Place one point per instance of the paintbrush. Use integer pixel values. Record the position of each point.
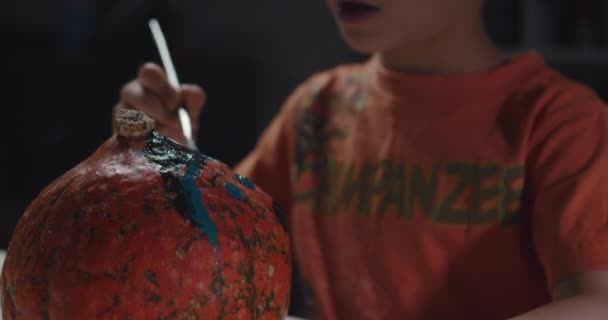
(163, 50)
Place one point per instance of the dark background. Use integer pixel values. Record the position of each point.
(62, 63)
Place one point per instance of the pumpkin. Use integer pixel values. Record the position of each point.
(147, 229)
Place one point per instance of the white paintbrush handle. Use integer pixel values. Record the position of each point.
(185, 121)
(163, 50)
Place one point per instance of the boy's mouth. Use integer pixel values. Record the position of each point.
(355, 10)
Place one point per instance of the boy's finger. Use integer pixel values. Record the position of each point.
(193, 97)
(135, 96)
(153, 79)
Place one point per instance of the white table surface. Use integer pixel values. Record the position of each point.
(3, 254)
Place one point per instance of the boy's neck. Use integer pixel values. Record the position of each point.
(469, 50)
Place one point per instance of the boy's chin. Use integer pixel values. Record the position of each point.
(364, 45)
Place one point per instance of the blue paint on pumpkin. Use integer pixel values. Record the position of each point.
(234, 191)
(245, 181)
(197, 211)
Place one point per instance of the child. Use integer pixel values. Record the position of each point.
(439, 180)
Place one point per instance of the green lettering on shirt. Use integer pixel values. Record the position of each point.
(361, 185)
(333, 175)
(482, 194)
(392, 188)
(508, 196)
(426, 190)
(387, 186)
(446, 213)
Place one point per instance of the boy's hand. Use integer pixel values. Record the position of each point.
(152, 93)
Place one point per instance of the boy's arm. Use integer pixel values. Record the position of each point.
(581, 297)
(568, 190)
(269, 163)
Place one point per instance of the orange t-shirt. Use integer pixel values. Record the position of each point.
(439, 197)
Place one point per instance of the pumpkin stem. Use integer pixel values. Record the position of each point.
(132, 123)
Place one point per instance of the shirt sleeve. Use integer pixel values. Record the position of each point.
(268, 165)
(567, 168)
